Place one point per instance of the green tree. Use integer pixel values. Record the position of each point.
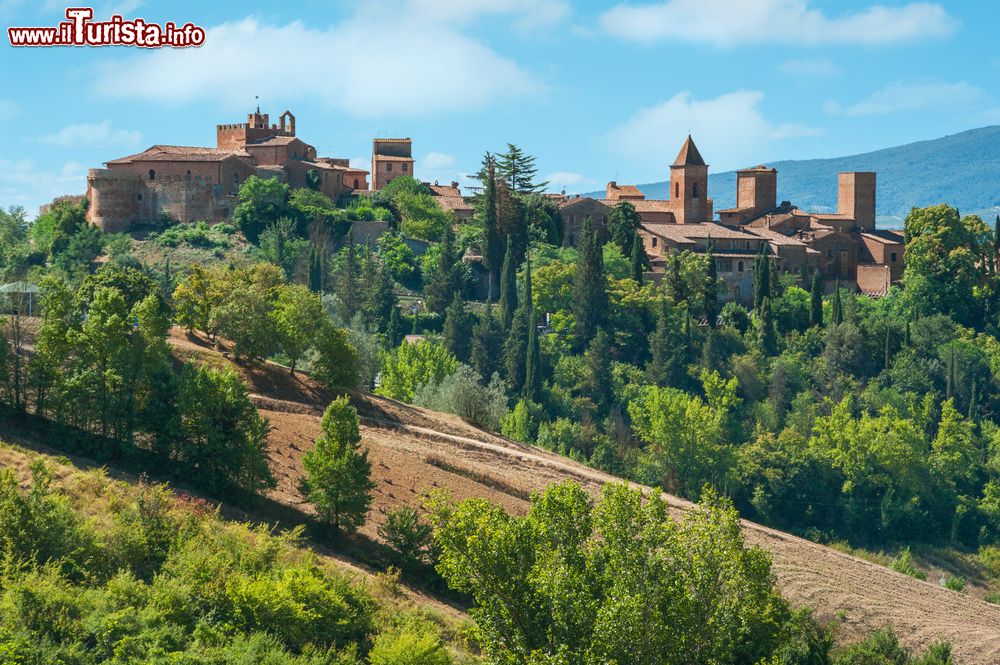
(710, 293)
(599, 382)
(346, 280)
(281, 245)
(639, 260)
(337, 477)
(223, 440)
(487, 345)
(457, 333)
(447, 278)
(245, 319)
(263, 201)
(590, 297)
(336, 362)
(410, 366)
(762, 276)
(623, 226)
(493, 246)
(816, 301)
(667, 348)
(837, 314)
(298, 316)
(768, 334)
(532, 355)
(508, 286)
(619, 582)
(518, 170)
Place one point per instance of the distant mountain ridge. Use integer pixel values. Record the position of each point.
(962, 170)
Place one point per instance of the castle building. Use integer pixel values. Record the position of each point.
(196, 183)
(391, 158)
(844, 246)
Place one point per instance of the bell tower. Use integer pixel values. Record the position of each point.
(689, 186)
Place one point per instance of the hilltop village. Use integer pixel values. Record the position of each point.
(199, 183)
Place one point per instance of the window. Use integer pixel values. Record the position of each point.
(187, 176)
(739, 267)
(829, 253)
(724, 264)
(138, 197)
(654, 241)
(694, 190)
(236, 183)
(356, 184)
(388, 167)
(152, 174)
(892, 257)
(405, 166)
(677, 191)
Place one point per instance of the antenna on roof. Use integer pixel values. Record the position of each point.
(257, 97)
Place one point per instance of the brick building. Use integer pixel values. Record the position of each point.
(391, 158)
(196, 183)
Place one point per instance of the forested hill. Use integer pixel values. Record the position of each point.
(962, 170)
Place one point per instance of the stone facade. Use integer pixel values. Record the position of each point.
(574, 211)
(196, 183)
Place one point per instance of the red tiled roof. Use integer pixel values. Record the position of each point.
(274, 140)
(692, 232)
(392, 158)
(885, 236)
(179, 153)
(689, 155)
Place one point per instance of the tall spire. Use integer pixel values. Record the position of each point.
(689, 155)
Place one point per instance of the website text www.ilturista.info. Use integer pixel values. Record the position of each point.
(81, 30)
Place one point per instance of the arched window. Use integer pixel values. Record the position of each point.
(694, 190)
(677, 191)
(152, 174)
(236, 183)
(739, 267)
(356, 183)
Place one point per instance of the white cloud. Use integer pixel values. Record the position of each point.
(8, 109)
(903, 96)
(730, 131)
(100, 134)
(401, 64)
(726, 23)
(22, 183)
(435, 161)
(810, 67)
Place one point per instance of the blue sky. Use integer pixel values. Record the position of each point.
(597, 91)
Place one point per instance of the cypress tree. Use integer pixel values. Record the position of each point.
(762, 277)
(493, 249)
(347, 281)
(838, 308)
(678, 290)
(457, 332)
(379, 298)
(638, 259)
(708, 352)
(516, 348)
(487, 345)
(950, 387)
(447, 278)
(816, 301)
(710, 295)
(590, 297)
(392, 334)
(996, 245)
(666, 348)
(315, 270)
(768, 337)
(972, 403)
(508, 286)
(888, 331)
(598, 359)
(533, 357)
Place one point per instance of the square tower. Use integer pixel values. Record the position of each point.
(856, 198)
(689, 200)
(757, 189)
(391, 158)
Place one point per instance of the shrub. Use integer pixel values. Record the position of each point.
(407, 535)
(464, 395)
(904, 564)
(410, 366)
(954, 583)
(415, 645)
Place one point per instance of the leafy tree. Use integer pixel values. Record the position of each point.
(398, 259)
(346, 280)
(409, 536)
(336, 362)
(639, 260)
(263, 201)
(223, 441)
(457, 334)
(281, 245)
(518, 170)
(598, 381)
(410, 366)
(133, 284)
(246, 320)
(467, 395)
(616, 582)
(590, 297)
(298, 316)
(379, 299)
(623, 226)
(338, 474)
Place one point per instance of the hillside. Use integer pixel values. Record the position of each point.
(961, 169)
(414, 450)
